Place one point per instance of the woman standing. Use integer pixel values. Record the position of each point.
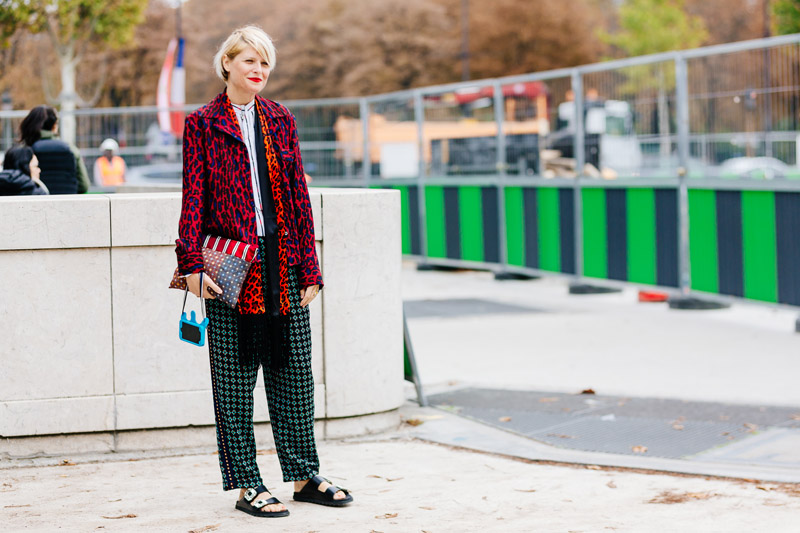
(243, 179)
(62, 165)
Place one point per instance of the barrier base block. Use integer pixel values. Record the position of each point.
(693, 303)
(585, 288)
(502, 276)
(797, 325)
(424, 267)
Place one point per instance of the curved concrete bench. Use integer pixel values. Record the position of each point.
(91, 348)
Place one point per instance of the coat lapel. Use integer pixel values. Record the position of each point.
(274, 117)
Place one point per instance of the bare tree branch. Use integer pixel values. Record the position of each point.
(98, 88)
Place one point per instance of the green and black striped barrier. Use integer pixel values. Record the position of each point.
(742, 243)
(540, 228)
(631, 234)
(746, 244)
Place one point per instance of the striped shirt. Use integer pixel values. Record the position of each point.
(246, 115)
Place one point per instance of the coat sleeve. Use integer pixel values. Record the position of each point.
(309, 272)
(189, 247)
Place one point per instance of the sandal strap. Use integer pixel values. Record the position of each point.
(317, 481)
(258, 504)
(251, 493)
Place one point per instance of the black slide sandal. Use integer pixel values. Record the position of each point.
(247, 505)
(310, 493)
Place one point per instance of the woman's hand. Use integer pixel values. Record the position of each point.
(210, 289)
(308, 294)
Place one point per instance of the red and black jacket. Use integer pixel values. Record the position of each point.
(218, 189)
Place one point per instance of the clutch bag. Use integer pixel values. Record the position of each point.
(227, 262)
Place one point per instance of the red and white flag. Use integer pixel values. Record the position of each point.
(172, 90)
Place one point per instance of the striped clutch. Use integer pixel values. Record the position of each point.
(225, 261)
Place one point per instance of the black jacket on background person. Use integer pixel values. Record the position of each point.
(58, 165)
(16, 183)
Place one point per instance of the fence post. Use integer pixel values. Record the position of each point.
(682, 109)
(419, 118)
(366, 160)
(580, 161)
(500, 117)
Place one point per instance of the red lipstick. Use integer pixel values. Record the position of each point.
(255, 80)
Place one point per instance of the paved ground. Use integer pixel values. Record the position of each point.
(551, 341)
(440, 472)
(400, 484)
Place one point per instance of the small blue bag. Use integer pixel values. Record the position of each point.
(190, 330)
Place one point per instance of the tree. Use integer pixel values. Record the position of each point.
(72, 26)
(786, 16)
(729, 20)
(358, 47)
(649, 27)
(520, 36)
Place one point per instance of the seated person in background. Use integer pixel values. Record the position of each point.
(62, 165)
(20, 174)
(109, 169)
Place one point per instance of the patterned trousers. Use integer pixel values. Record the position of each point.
(290, 394)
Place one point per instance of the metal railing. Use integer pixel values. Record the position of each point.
(720, 117)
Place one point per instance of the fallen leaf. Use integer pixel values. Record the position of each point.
(118, 517)
(751, 428)
(795, 417)
(558, 435)
(525, 490)
(15, 506)
(548, 400)
(669, 497)
(588, 391)
(373, 475)
(611, 485)
(205, 528)
(427, 508)
(504, 419)
(485, 498)
(593, 467)
(414, 422)
(761, 487)
(639, 449)
(387, 515)
(66, 462)
(678, 427)
(271, 451)
(393, 478)
(117, 500)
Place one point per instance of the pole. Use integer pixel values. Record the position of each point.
(178, 28)
(465, 74)
(501, 166)
(682, 104)
(580, 161)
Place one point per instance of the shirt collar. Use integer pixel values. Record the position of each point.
(247, 108)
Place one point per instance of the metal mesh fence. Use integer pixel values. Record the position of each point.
(744, 113)
(743, 103)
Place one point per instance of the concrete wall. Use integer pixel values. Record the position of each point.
(90, 329)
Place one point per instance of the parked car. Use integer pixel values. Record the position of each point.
(754, 168)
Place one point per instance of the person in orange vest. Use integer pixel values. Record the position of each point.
(109, 169)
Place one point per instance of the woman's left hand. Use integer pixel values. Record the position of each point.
(308, 294)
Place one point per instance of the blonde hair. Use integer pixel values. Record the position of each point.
(240, 39)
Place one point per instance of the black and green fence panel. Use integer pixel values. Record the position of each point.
(462, 223)
(745, 243)
(631, 234)
(540, 228)
(410, 221)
